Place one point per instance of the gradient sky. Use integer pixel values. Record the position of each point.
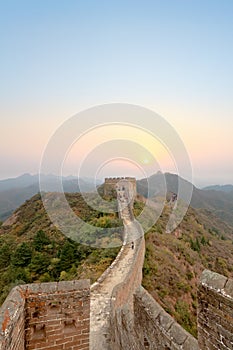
(172, 56)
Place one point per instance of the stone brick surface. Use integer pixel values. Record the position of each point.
(56, 316)
(155, 327)
(213, 280)
(215, 312)
(47, 316)
(12, 321)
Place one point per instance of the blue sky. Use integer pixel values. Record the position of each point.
(172, 56)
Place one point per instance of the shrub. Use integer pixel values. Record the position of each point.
(40, 240)
(22, 255)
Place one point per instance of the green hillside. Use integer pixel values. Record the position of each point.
(173, 262)
(33, 250)
(14, 192)
(218, 202)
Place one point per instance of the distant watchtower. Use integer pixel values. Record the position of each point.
(112, 183)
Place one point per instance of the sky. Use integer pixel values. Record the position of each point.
(174, 57)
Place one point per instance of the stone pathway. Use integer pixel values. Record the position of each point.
(101, 293)
(100, 301)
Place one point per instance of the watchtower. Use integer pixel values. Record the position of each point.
(112, 183)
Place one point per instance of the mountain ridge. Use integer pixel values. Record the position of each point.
(173, 262)
(15, 191)
(210, 198)
(223, 188)
(221, 203)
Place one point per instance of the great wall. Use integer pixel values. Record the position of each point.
(116, 312)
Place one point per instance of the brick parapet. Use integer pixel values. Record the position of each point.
(123, 292)
(215, 312)
(47, 316)
(111, 183)
(155, 328)
(12, 321)
(122, 315)
(114, 265)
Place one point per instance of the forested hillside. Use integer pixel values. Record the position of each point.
(174, 262)
(218, 202)
(33, 250)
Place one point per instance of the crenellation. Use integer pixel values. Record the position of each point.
(12, 321)
(56, 315)
(51, 316)
(110, 185)
(157, 326)
(215, 312)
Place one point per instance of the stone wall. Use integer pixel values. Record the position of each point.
(57, 315)
(154, 328)
(215, 312)
(122, 317)
(138, 322)
(123, 292)
(110, 184)
(12, 321)
(47, 316)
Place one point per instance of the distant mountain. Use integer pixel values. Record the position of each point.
(223, 188)
(172, 266)
(219, 202)
(11, 199)
(14, 192)
(22, 181)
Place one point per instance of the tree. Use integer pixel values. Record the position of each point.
(195, 245)
(22, 256)
(5, 255)
(63, 276)
(68, 255)
(21, 275)
(39, 263)
(40, 240)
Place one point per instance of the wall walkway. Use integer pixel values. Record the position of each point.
(46, 316)
(123, 315)
(106, 290)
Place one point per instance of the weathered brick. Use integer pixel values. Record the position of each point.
(213, 280)
(39, 315)
(215, 312)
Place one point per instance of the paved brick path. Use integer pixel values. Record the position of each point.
(101, 293)
(100, 301)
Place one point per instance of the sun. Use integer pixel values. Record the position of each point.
(146, 161)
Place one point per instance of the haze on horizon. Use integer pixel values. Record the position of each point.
(173, 57)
